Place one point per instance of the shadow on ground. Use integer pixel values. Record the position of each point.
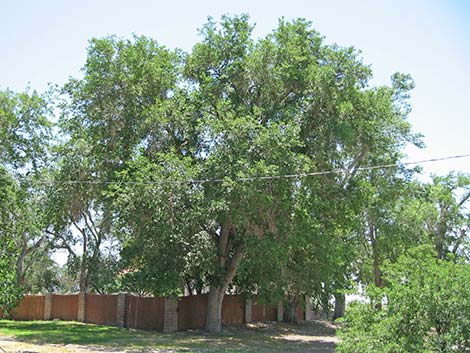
(313, 337)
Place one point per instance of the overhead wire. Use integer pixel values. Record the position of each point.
(254, 178)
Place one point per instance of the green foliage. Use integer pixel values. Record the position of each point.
(447, 202)
(424, 311)
(233, 108)
(9, 291)
(24, 140)
(24, 129)
(159, 225)
(164, 153)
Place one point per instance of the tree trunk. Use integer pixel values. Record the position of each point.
(214, 310)
(440, 240)
(83, 283)
(378, 281)
(340, 305)
(19, 267)
(290, 310)
(228, 262)
(20, 261)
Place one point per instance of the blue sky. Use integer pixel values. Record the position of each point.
(45, 41)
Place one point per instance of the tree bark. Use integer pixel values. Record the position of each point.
(228, 265)
(378, 281)
(290, 310)
(83, 282)
(214, 310)
(19, 266)
(340, 305)
(20, 261)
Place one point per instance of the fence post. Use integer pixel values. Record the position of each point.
(170, 317)
(308, 309)
(48, 298)
(81, 315)
(248, 310)
(280, 311)
(121, 310)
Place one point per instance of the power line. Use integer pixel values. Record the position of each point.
(254, 178)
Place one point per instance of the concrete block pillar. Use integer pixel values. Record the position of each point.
(81, 315)
(280, 311)
(48, 298)
(308, 309)
(170, 317)
(121, 310)
(248, 310)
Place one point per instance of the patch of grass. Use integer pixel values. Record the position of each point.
(234, 339)
(63, 332)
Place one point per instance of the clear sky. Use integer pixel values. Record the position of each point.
(45, 41)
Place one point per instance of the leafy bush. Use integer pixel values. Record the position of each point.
(426, 308)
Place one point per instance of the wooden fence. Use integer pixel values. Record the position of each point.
(147, 313)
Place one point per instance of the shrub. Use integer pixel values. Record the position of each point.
(426, 309)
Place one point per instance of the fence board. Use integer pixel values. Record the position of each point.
(30, 308)
(270, 312)
(257, 311)
(65, 307)
(300, 314)
(263, 312)
(101, 309)
(233, 310)
(192, 312)
(145, 313)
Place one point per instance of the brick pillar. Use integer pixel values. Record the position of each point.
(121, 310)
(81, 315)
(248, 310)
(280, 311)
(308, 309)
(48, 298)
(170, 318)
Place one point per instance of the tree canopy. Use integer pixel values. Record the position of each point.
(241, 166)
(188, 138)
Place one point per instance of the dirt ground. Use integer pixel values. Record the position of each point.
(316, 337)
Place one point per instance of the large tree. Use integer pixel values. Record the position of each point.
(182, 142)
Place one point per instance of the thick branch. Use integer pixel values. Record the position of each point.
(92, 226)
(464, 199)
(459, 240)
(64, 244)
(222, 243)
(353, 169)
(233, 265)
(35, 245)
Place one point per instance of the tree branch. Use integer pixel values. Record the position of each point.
(64, 244)
(233, 265)
(464, 199)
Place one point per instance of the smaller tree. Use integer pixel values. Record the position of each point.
(447, 210)
(426, 309)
